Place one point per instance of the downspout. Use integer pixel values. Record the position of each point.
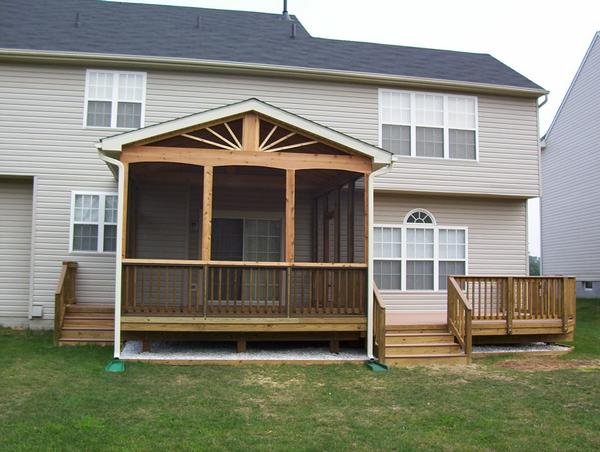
(119, 262)
(371, 198)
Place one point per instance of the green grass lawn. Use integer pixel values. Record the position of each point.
(61, 399)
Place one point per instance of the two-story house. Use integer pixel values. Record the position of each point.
(570, 164)
(225, 174)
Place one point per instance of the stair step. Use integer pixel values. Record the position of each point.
(83, 324)
(76, 341)
(88, 328)
(418, 329)
(89, 317)
(416, 338)
(87, 335)
(400, 350)
(415, 360)
(90, 308)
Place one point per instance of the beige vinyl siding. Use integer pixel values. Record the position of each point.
(508, 157)
(42, 133)
(16, 197)
(497, 237)
(570, 205)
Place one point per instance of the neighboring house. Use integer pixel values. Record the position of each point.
(262, 173)
(570, 204)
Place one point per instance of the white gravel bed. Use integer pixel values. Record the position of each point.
(520, 348)
(214, 351)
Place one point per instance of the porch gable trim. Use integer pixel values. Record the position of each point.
(116, 143)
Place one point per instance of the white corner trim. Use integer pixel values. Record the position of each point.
(119, 254)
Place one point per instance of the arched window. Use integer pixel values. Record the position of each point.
(419, 254)
(419, 216)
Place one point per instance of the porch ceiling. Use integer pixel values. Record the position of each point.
(221, 129)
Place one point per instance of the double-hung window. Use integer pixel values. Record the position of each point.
(94, 222)
(114, 99)
(418, 255)
(422, 124)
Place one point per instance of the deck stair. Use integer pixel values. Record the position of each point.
(88, 324)
(421, 344)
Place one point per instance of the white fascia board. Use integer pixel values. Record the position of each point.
(115, 143)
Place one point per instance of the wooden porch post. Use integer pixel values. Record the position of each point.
(207, 195)
(350, 221)
(290, 208)
(366, 216)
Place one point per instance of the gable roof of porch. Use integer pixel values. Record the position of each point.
(115, 144)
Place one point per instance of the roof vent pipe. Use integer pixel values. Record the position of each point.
(197, 21)
(286, 15)
(293, 35)
(77, 20)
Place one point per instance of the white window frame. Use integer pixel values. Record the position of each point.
(115, 99)
(585, 283)
(404, 226)
(101, 223)
(396, 259)
(413, 125)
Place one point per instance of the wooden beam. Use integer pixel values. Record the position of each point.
(265, 141)
(292, 146)
(366, 217)
(315, 230)
(250, 132)
(290, 213)
(207, 195)
(285, 137)
(350, 220)
(326, 228)
(338, 228)
(235, 138)
(202, 140)
(216, 157)
(218, 135)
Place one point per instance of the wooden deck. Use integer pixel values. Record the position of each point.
(480, 309)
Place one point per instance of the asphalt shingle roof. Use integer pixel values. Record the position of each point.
(96, 26)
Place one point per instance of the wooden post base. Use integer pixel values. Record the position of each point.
(334, 346)
(145, 345)
(240, 346)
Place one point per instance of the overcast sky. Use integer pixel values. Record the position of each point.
(543, 40)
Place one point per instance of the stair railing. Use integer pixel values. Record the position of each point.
(64, 295)
(379, 326)
(460, 314)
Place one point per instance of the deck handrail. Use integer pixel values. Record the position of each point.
(510, 299)
(460, 317)
(379, 323)
(64, 295)
(213, 263)
(246, 289)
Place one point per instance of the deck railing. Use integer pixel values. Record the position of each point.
(507, 298)
(243, 289)
(379, 324)
(64, 295)
(460, 317)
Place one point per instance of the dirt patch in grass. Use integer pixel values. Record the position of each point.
(548, 364)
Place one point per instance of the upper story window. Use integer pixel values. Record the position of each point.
(94, 222)
(114, 99)
(428, 125)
